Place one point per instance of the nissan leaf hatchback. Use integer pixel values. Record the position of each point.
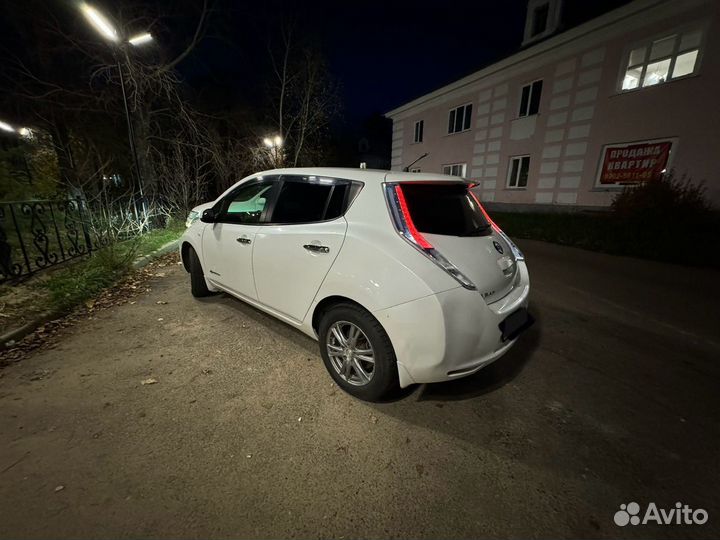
(401, 277)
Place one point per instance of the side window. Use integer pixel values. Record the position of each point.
(530, 99)
(308, 202)
(662, 60)
(518, 172)
(246, 204)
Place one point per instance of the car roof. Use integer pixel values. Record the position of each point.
(365, 175)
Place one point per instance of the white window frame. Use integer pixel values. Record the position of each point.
(463, 169)
(421, 125)
(676, 51)
(464, 109)
(510, 168)
(530, 84)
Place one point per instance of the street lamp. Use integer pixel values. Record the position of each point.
(25, 133)
(274, 144)
(106, 29)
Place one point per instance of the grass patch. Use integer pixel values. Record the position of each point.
(63, 287)
(71, 286)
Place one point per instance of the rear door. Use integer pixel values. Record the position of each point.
(228, 243)
(294, 252)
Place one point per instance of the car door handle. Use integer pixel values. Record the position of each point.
(244, 240)
(316, 248)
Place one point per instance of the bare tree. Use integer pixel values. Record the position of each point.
(305, 99)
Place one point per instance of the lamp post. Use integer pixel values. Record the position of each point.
(106, 29)
(24, 132)
(274, 144)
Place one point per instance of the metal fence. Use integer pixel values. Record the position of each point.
(35, 235)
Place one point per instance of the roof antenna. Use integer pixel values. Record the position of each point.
(407, 169)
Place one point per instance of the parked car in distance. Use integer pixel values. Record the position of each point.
(403, 278)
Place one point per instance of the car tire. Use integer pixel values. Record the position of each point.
(383, 382)
(198, 286)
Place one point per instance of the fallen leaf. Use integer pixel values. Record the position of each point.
(148, 381)
(162, 302)
(59, 488)
(160, 319)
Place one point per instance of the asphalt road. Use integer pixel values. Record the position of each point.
(611, 398)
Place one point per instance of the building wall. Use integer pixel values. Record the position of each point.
(581, 110)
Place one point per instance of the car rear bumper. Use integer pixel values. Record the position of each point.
(451, 334)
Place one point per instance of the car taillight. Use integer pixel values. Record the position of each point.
(515, 250)
(404, 225)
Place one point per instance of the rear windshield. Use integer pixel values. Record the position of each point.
(445, 208)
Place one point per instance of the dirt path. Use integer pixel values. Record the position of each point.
(243, 434)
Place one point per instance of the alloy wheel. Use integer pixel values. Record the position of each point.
(351, 353)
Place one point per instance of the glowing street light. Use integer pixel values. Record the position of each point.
(274, 144)
(140, 39)
(100, 22)
(25, 133)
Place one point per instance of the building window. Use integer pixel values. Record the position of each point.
(540, 19)
(419, 131)
(459, 118)
(455, 169)
(530, 99)
(518, 172)
(662, 60)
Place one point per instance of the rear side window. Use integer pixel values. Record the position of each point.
(307, 202)
(447, 209)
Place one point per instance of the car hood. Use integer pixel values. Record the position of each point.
(200, 208)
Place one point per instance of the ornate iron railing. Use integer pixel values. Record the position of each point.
(35, 235)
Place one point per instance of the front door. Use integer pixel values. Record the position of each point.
(228, 243)
(294, 252)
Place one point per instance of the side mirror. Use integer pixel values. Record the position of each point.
(208, 216)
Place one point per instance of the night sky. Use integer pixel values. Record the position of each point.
(383, 53)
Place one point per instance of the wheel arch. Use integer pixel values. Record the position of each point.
(185, 254)
(326, 303)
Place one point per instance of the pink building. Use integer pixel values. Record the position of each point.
(575, 116)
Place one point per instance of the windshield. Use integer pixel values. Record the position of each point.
(445, 208)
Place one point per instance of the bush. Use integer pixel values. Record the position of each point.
(668, 219)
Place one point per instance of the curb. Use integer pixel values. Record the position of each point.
(159, 252)
(19, 333)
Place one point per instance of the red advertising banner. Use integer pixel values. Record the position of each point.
(632, 163)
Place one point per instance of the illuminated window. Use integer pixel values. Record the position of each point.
(518, 172)
(455, 169)
(459, 119)
(662, 60)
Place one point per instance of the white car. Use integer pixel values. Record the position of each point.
(402, 277)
